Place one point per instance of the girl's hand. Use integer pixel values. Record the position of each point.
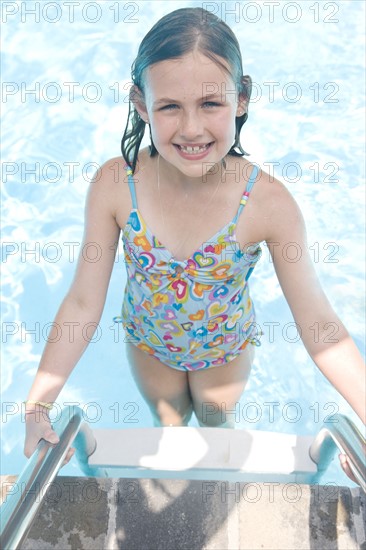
(38, 426)
(343, 459)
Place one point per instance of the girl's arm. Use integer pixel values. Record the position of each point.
(84, 301)
(340, 361)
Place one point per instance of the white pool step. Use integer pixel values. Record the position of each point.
(203, 453)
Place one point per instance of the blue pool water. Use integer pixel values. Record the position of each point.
(66, 78)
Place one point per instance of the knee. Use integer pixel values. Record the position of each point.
(211, 423)
(166, 414)
(211, 415)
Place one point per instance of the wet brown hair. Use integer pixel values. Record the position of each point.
(173, 36)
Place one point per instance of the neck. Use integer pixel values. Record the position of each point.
(181, 181)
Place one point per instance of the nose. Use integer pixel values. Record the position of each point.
(191, 126)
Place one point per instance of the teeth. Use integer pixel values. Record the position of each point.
(196, 149)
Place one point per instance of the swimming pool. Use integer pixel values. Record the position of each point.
(66, 79)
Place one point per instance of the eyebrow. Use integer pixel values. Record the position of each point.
(170, 100)
(213, 96)
(165, 100)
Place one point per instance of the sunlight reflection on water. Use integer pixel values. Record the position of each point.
(305, 122)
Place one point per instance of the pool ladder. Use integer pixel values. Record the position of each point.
(214, 453)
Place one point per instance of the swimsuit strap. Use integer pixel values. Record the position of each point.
(131, 185)
(243, 199)
(245, 195)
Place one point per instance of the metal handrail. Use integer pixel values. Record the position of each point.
(340, 432)
(20, 508)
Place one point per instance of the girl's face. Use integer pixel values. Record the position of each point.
(191, 104)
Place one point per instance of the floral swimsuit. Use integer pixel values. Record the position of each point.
(192, 314)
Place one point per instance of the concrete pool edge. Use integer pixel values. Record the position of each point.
(165, 513)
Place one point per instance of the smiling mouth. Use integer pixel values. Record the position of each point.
(193, 149)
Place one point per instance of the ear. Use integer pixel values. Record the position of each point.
(242, 107)
(138, 100)
(244, 95)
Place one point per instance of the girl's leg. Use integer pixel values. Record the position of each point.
(165, 389)
(217, 390)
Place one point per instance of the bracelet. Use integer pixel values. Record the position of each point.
(48, 406)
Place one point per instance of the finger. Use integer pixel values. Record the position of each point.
(51, 437)
(35, 436)
(345, 462)
(27, 451)
(346, 467)
(69, 455)
(30, 446)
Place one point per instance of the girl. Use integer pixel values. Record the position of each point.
(193, 212)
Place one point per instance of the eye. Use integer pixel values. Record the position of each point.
(170, 107)
(211, 104)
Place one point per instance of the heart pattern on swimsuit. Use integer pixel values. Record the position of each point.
(197, 316)
(199, 289)
(143, 242)
(181, 289)
(173, 349)
(216, 308)
(169, 314)
(154, 339)
(203, 261)
(190, 321)
(187, 326)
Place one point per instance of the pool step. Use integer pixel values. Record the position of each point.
(162, 514)
(201, 453)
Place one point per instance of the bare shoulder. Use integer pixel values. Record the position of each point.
(112, 174)
(280, 212)
(110, 184)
